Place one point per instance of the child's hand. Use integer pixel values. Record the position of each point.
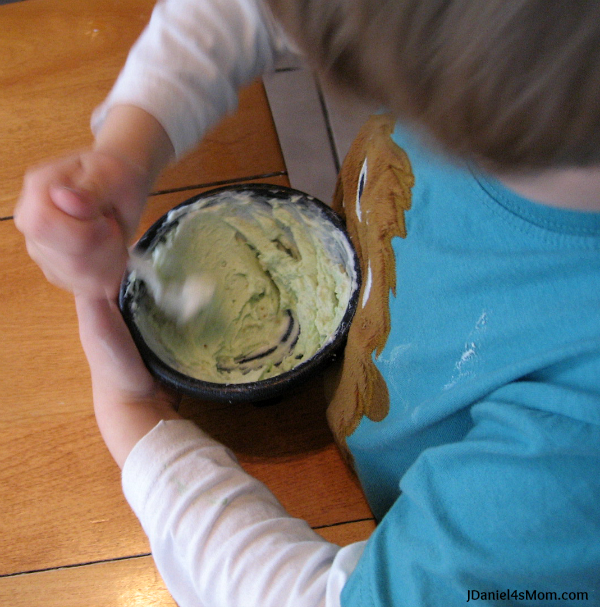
(128, 401)
(78, 215)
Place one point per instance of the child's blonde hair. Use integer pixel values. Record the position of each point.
(512, 84)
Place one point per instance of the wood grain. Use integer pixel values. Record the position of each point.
(59, 489)
(243, 146)
(59, 59)
(132, 582)
(348, 533)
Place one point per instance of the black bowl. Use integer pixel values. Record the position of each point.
(252, 391)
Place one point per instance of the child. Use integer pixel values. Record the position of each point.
(469, 399)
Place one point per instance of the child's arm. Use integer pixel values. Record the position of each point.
(79, 213)
(218, 536)
(128, 402)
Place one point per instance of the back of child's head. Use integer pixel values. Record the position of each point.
(512, 84)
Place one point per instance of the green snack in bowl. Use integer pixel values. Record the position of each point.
(283, 278)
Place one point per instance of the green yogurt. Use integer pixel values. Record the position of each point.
(283, 278)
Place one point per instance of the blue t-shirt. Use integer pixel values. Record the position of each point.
(485, 474)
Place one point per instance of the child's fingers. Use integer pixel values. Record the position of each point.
(70, 228)
(79, 274)
(75, 203)
(54, 214)
(54, 230)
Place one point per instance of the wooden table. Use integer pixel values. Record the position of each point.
(67, 536)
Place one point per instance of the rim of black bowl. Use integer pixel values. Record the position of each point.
(256, 391)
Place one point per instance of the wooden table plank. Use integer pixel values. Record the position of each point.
(127, 583)
(218, 159)
(59, 490)
(59, 60)
(348, 533)
(133, 582)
